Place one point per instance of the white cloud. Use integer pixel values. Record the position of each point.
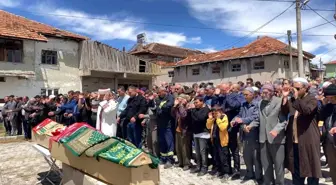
(249, 15)
(176, 39)
(208, 50)
(9, 3)
(117, 26)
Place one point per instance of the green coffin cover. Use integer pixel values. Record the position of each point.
(121, 153)
(82, 139)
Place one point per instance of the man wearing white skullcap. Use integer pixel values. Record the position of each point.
(107, 113)
(303, 134)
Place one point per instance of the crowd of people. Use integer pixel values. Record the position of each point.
(274, 126)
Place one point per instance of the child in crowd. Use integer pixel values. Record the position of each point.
(218, 124)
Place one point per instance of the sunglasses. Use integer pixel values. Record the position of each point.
(297, 88)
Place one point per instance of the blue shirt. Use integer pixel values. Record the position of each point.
(122, 104)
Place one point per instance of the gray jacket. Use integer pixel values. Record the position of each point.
(271, 118)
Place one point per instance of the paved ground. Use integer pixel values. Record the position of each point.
(20, 164)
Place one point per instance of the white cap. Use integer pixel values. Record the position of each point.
(255, 88)
(326, 84)
(52, 96)
(300, 80)
(104, 91)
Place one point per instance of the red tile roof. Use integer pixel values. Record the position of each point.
(23, 28)
(163, 49)
(332, 62)
(165, 64)
(263, 46)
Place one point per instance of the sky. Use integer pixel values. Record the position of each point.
(206, 25)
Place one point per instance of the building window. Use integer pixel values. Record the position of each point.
(297, 65)
(286, 64)
(177, 59)
(170, 73)
(216, 69)
(2, 79)
(259, 65)
(142, 66)
(48, 92)
(49, 57)
(195, 71)
(11, 50)
(235, 67)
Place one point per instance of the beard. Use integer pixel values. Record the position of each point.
(266, 97)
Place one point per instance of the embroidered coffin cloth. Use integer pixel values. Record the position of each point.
(49, 128)
(95, 150)
(121, 153)
(82, 139)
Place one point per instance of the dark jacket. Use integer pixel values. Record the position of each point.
(198, 119)
(231, 104)
(328, 116)
(211, 100)
(135, 105)
(163, 110)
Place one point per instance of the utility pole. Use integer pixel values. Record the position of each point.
(320, 73)
(299, 38)
(289, 34)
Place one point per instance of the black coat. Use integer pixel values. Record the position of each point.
(135, 105)
(198, 119)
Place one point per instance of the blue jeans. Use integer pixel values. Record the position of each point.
(134, 133)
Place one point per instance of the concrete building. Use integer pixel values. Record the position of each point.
(164, 55)
(264, 59)
(102, 66)
(36, 58)
(330, 70)
(39, 59)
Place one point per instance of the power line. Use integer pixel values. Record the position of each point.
(174, 25)
(146, 23)
(327, 52)
(320, 15)
(319, 10)
(268, 22)
(282, 1)
(318, 25)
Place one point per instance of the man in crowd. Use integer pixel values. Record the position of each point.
(272, 124)
(107, 114)
(249, 82)
(122, 104)
(249, 133)
(303, 136)
(69, 107)
(183, 134)
(164, 104)
(17, 116)
(199, 115)
(10, 118)
(231, 106)
(150, 121)
(133, 115)
(328, 118)
(210, 99)
(5, 116)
